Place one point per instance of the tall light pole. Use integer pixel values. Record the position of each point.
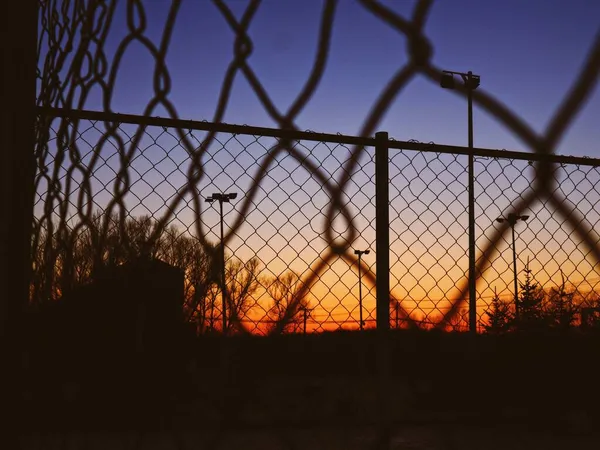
(471, 82)
(512, 219)
(222, 198)
(360, 308)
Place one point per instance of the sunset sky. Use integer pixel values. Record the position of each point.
(527, 54)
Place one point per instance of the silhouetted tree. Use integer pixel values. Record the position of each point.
(532, 315)
(290, 303)
(562, 310)
(242, 282)
(207, 311)
(41, 277)
(460, 321)
(500, 317)
(66, 258)
(60, 262)
(181, 250)
(589, 311)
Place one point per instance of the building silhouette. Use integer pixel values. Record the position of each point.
(136, 306)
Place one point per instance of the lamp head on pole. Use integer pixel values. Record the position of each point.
(512, 218)
(473, 83)
(221, 197)
(447, 81)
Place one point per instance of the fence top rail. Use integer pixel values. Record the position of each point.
(297, 135)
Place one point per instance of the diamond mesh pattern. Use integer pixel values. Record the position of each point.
(301, 205)
(279, 218)
(279, 226)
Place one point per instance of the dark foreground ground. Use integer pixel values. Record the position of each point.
(336, 390)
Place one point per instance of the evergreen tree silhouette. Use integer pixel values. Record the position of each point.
(531, 304)
(563, 310)
(500, 317)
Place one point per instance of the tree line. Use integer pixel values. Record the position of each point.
(65, 258)
(537, 309)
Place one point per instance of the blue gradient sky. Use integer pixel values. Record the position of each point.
(527, 53)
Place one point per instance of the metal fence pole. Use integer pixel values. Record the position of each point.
(382, 224)
(223, 281)
(360, 307)
(472, 277)
(515, 278)
(18, 53)
(382, 245)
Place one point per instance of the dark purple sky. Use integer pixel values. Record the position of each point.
(527, 54)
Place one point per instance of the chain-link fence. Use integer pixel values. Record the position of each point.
(430, 226)
(108, 193)
(99, 161)
(111, 189)
(114, 189)
(275, 236)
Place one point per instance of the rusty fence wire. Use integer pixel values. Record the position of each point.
(290, 264)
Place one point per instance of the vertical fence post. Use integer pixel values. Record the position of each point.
(18, 58)
(472, 250)
(223, 280)
(382, 245)
(382, 225)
